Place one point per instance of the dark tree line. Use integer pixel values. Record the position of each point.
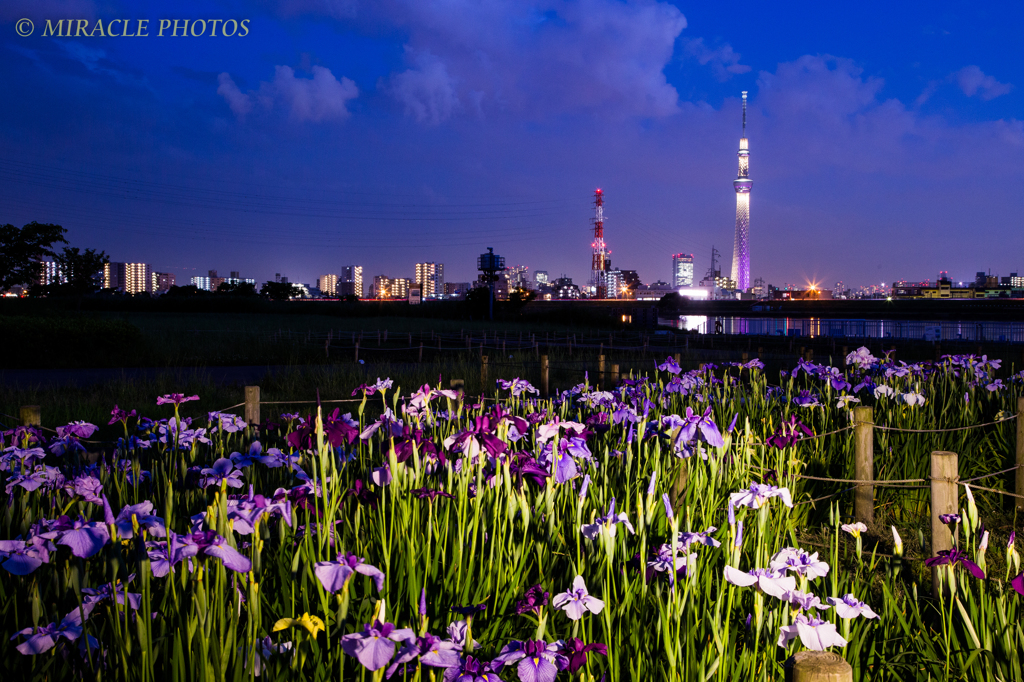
(21, 249)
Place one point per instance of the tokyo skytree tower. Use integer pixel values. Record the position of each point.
(742, 183)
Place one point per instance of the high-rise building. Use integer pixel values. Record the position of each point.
(682, 270)
(50, 273)
(385, 287)
(328, 285)
(162, 282)
(430, 277)
(742, 184)
(517, 276)
(131, 278)
(614, 284)
(541, 277)
(351, 281)
(201, 283)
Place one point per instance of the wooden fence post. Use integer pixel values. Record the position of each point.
(615, 376)
(863, 465)
(483, 372)
(1020, 452)
(421, 352)
(31, 415)
(252, 405)
(357, 353)
(944, 501)
(818, 666)
(544, 376)
(600, 370)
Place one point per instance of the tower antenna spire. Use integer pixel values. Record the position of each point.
(744, 113)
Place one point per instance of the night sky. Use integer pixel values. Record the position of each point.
(886, 138)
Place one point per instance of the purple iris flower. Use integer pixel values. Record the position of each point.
(208, 543)
(850, 607)
(95, 595)
(758, 495)
(245, 512)
(576, 651)
(815, 634)
(670, 366)
(413, 438)
(608, 522)
(479, 436)
(798, 561)
(577, 600)
(247, 459)
(949, 518)
(19, 557)
(533, 600)
(956, 557)
(430, 650)
(15, 459)
(175, 399)
(222, 471)
(518, 386)
(45, 638)
(144, 517)
(375, 645)
(227, 422)
(471, 670)
(538, 660)
(119, 415)
(84, 538)
(526, 466)
(363, 495)
(773, 583)
(371, 389)
(275, 459)
(1018, 584)
(40, 476)
(77, 430)
(87, 487)
(683, 430)
(334, 575)
(806, 399)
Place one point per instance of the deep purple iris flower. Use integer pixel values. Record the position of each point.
(411, 438)
(471, 670)
(1018, 584)
(144, 517)
(96, 595)
(576, 651)
(955, 557)
(40, 476)
(175, 399)
(532, 601)
(789, 432)
(334, 575)
(339, 429)
(470, 610)
(375, 645)
(363, 494)
(205, 543)
(806, 399)
(683, 430)
(670, 366)
(246, 511)
(119, 415)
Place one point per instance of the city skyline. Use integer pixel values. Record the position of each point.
(344, 135)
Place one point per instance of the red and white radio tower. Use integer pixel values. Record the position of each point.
(599, 262)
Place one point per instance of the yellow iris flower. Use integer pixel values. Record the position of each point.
(311, 624)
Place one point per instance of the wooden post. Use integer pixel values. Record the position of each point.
(863, 465)
(483, 372)
(421, 352)
(615, 376)
(944, 501)
(600, 370)
(679, 358)
(1020, 452)
(818, 666)
(31, 415)
(357, 353)
(544, 376)
(252, 405)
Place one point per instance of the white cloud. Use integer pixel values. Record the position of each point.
(427, 92)
(320, 98)
(724, 61)
(973, 81)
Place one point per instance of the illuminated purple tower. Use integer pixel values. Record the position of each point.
(742, 184)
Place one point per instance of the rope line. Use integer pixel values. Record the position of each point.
(993, 490)
(978, 478)
(958, 428)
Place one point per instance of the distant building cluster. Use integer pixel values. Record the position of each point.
(985, 285)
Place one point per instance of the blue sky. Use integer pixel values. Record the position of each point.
(884, 137)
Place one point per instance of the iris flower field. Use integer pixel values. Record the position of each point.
(681, 525)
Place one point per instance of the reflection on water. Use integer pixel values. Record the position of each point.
(925, 330)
